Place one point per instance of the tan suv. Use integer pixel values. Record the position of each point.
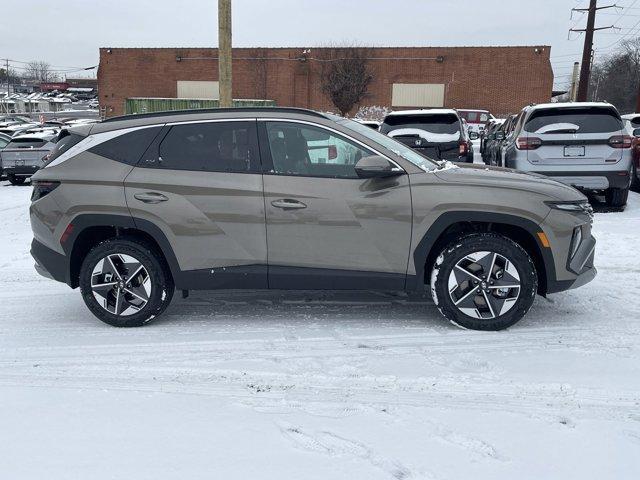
(133, 208)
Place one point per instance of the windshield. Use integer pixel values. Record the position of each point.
(474, 116)
(396, 147)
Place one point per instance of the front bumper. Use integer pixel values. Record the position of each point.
(595, 180)
(50, 264)
(581, 265)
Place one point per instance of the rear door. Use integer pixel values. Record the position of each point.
(571, 136)
(201, 184)
(327, 228)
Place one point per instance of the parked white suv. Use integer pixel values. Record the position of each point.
(582, 144)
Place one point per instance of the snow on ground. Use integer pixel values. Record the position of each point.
(266, 385)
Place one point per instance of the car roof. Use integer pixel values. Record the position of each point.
(34, 136)
(542, 106)
(472, 110)
(631, 116)
(422, 111)
(160, 118)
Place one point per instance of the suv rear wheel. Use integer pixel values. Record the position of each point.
(125, 283)
(617, 197)
(484, 281)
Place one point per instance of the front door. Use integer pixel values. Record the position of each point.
(201, 185)
(327, 228)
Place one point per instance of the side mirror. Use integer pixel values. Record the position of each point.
(636, 132)
(499, 135)
(375, 166)
(473, 136)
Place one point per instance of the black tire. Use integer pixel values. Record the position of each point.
(157, 272)
(16, 180)
(515, 303)
(617, 197)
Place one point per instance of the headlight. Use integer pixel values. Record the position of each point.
(578, 206)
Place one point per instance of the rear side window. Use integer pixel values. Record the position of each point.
(127, 148)
(211, 147)
(573, 120)
(433, 123)
(26, 143)
(64, 142)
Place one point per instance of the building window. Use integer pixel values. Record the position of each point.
(199, 90)
(417, 95)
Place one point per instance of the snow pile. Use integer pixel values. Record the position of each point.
(425, 135)
(307, 385)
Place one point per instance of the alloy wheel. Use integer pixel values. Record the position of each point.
(484, 285)
(121, 284)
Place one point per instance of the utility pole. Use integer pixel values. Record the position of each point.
(6, 72)
(638, 98)
(587, 51)
(224, 53)
(574, 82)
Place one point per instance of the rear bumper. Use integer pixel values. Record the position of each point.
(50, 264)
(22, 170)
(596, 180)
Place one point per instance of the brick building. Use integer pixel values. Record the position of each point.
(500, 79)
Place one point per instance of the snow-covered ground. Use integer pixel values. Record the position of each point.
(319, 385)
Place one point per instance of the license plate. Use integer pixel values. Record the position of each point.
(570, 151)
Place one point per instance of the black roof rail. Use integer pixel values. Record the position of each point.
(168, 113)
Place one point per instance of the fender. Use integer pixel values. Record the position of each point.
(447, 219)
(84, 221)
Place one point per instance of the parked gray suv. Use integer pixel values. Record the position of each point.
(582, 144)
(133, 208)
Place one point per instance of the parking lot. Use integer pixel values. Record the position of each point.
(320, 385)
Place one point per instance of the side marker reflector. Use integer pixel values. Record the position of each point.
(544, 240)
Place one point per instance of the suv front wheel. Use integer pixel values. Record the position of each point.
(484, 281)
(125, 283)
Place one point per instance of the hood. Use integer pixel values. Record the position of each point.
(497, 177)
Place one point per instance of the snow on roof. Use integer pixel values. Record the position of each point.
(631, 116)
(422, 111)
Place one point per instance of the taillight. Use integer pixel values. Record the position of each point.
(620, 141)
(528, 143)
(42, 188)
(463, 149)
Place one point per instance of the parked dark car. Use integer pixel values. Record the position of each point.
(632, 124)
(437, 133)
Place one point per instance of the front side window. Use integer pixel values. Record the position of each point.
(299, 149)
(211, 147)
(389, 143)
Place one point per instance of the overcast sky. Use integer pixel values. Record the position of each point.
(69, 33)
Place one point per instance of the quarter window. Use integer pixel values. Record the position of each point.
(211, 147)
(298, 149)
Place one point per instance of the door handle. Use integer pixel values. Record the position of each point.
(288, 204)
(151, 197)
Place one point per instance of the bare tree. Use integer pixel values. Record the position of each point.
(345, 76)
(41, 71)
(615, 78)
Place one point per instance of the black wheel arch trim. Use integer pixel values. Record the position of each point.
(84, 221)
(424, 249)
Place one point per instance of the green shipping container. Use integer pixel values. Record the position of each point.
(153, 105)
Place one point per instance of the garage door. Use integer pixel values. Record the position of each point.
(417, 95)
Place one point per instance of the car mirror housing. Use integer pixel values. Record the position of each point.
(636, 132)
(375, 166)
